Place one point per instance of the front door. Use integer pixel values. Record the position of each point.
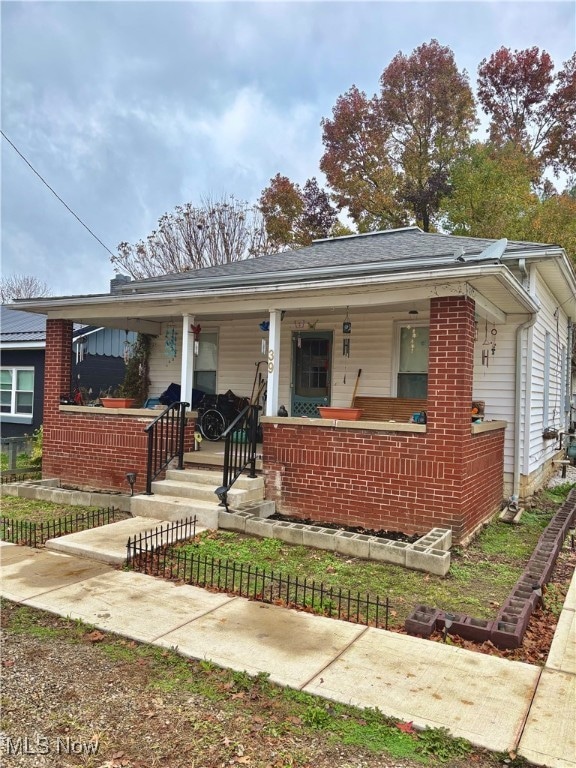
(311, 371)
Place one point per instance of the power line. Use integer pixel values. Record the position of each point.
(56, 194)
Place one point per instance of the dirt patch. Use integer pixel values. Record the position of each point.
(381, 534)
(116, 704)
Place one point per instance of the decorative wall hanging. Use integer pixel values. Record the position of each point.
(346, 325)
(127, 353)
(265, 328)
(170, 343)
(494, 333)
(346, 330)
(196, 331)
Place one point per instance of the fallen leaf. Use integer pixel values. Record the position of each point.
(95, 636)
(405, 727)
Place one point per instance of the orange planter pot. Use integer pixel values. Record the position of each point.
(346, 414)
(118, 402)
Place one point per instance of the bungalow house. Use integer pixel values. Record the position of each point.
(471, 335)
(97, 362)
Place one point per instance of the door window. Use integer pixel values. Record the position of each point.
(413, 361)
(206, 363)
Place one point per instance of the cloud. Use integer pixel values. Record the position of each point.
(129, 109)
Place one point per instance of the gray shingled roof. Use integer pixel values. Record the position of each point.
(373, 248)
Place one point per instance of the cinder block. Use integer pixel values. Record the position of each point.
(233, 521)
(437, 561)
(291, 533)
(417, 557)
(469, 628)
(312, 536)
(422, 621)
(507, 634)
(256, 526)
(388, 551)
(353, 544)
(443, 538)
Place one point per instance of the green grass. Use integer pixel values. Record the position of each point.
(22, 460)
(481, 575)
(281, 710)
(32, 511)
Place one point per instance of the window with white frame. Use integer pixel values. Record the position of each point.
(206, 363)
(17, 391)
(412, 377)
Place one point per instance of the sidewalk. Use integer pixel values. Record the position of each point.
(494, 703)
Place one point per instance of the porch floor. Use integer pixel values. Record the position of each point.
(212, 455)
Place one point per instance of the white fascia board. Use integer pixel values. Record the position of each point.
(23, 345)
(72, 308)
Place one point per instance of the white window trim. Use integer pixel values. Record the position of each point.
(216, 332)
(395, 367)
(12, 416)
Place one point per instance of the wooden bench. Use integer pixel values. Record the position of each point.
(388, 408)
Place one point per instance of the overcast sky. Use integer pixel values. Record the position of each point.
(128, 109)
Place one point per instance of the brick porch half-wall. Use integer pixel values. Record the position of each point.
(411, 482)
(85, 448)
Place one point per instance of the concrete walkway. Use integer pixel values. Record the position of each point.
(492, 702)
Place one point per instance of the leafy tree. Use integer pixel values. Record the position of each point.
(295, 216)
(529, 106)
(281, 205)
(492, 192)
(554, 221)
(494, 196)
(429, 109)
(357, 163)
(388, 158)
(22, 287)
(216, 232)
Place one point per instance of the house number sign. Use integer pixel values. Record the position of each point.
(270, 361)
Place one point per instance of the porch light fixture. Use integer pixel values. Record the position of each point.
(131, 478)
(537, 590)
(222, 493)
(413, 311)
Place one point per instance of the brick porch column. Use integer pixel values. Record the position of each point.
(450, 367)
(57, 366)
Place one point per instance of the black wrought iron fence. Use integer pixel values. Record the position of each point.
(36, 534)
(148, 542)
(20, 474)
(255, 583)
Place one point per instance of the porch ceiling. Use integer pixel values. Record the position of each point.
(496, 291)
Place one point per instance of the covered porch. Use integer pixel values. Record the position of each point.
(393, 474)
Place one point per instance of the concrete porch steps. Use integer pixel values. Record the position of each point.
(191, 492)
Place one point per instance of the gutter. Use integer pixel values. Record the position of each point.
(518, 441)
(435, 276)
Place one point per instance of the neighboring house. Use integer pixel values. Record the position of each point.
(444, 320)
(97, 362)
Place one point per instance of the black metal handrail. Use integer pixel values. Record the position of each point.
(240, 440)
(165, 441)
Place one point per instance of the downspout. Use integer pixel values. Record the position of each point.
(518, 442)
(568, 383)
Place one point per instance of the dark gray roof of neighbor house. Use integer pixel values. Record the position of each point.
(25, 327)
(21, 326)
(378, 248)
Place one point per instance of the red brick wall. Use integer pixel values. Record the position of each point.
(398, 481)
(89, 449)
(57, 366)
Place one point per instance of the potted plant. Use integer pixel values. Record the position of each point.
(117, 399)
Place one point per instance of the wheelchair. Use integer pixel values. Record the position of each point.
(217, 412)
